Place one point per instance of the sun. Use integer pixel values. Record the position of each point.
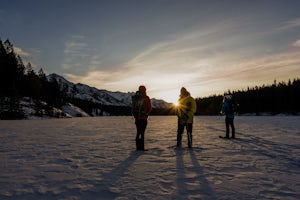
(175, 103)
(172, 97)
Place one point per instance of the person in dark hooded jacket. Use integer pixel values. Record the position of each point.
(228, 111)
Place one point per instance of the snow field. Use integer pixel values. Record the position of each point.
(95, 158)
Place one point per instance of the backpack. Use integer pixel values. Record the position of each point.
(232, 105)
(137, 104)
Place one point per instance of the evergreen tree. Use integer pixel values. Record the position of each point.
(11, 75)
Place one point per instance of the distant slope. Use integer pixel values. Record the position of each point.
(101, 96)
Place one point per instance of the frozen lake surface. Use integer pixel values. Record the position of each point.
(95, 158)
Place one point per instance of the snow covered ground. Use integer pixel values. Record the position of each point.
(95, 158)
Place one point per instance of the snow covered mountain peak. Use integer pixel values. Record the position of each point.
(101, 96)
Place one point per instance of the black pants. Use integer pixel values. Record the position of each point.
(189, 130)
(140, 132)
(229, 123)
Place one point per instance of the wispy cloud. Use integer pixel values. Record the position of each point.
(293, 23)
(296, 43)
(78, 56)
(75, 46)
(206, 61)
(21, 52)
(30, 55)
(168, 64)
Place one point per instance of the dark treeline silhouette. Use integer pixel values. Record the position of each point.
(18, 80)
(273, 99)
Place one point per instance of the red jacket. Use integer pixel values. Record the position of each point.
(145, 109)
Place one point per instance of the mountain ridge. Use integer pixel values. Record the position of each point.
(100, 96)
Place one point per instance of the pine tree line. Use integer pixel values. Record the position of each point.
(18, 80)
(273, 99)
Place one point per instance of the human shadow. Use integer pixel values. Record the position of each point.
(180, 174)
(204, 187)
(255, 145)
(194, 185)
(106, 188)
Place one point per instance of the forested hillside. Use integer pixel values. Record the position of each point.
(272, 99)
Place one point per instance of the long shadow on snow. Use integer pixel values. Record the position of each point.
(104, 189)
(270, 149)
(182, 181)
(204, 184)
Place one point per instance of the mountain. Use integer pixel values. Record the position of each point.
(100, 96)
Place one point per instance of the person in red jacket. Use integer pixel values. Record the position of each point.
(142, 108)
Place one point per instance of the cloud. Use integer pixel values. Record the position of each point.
(293, 23)
(94, 78)
(78, 56)
(28, 56)
(206, 61)
(21, 52)
(282, 66)
(171, 67)
(75, 47)
(297, 43)
(163, 67)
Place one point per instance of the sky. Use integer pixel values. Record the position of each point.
(207, 46)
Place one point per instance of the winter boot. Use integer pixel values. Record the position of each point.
(233, 135)
(140, 145)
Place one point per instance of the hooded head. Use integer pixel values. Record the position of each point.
(228, 97)
(184, 92)
(142, 89)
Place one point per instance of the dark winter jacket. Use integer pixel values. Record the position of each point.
(226, 109)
